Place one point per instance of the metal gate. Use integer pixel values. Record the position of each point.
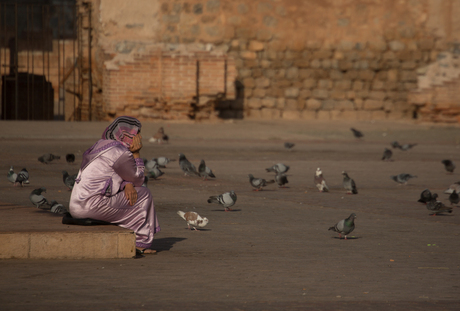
(43, 51)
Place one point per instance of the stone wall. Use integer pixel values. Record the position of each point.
(292, 59)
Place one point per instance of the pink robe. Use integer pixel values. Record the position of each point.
(98, 192)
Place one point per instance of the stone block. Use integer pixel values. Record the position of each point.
(270, 114)
(320, 93)
(248, 55)
(254, 103)
(255, 46)
(342, 85)
(246, 33)
(344, 105)
(378, 85)
(260, 93)
(349, 115)
(254, 114)
(292, 73)
(286, 63)
(316, 63)
(328, 104)
(264, 35)
(251, 63)
(305, 73)
(257, 73)
(379, 95)
(280, 102)
(322, 54)
(409, 65)
(289, 54)
(323, 115)
(396, 45)
(313, 45)
(308, 115)
(262, 82)
(359, 103)
(291, 92)
(336, 115)
(389, 55)
(364, 115)
(291, 104)
(313, 104)
(291, 115)
(302, 63)
(269, 102)
(269, 73)
(244, 72)
(351, 75)
(277, 45)
(351, 94)
(408, 76)
(326, 64)
(393, 75)
(282, 83)
(366, 75)
(379, 115)
(420, 99)
(404, 55)
(373, 104)
(345, 64)
(265, 64)
(388, 105)
(325, 84)
(304, 93)
(249, 83)
(357, 85)
(426, 44)
(337, 94)
(301, 104)
(309, 83)
(336, 75)
(378, 45)
(390, 85)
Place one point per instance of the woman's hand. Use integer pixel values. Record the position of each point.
(136, 145)
(131, 194)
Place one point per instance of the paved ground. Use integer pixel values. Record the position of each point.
(274, 251)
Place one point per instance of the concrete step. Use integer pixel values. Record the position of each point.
(30, 233)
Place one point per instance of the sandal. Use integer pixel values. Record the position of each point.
(145, 251)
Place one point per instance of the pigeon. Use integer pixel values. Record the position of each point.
(149, 164)
(57, 208)
(288, 145)
(455, 186)
(357, 133)
(345, 226)
(48, 157)
(205, 171)
(159, 136)
(278, 168)
(349, 184)
(69, 180)
(23, 177)
(70, 158)
(437, 207)
(155, 172)
(37, 198)
(448, 165)
(402, 178)
(187, 167)
(258, 183)
(146, 181)
(162, 161)
(425, 196)
(395, 145)
(12, 175)
(387, 153)
(226, 199)
(454, 198)
(320, 182)
(193, 219)
(406, 147)
(281, 180)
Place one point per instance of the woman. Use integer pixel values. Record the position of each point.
(108, 185)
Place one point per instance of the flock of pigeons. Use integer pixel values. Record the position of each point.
(228, 199)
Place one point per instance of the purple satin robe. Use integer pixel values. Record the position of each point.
(98, 192)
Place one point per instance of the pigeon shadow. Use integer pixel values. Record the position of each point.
(348, 238)
(442, 215)
(165, 244)
(221, 210)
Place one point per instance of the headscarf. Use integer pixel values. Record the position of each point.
(123, 129)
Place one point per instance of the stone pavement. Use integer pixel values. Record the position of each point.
(274, 251)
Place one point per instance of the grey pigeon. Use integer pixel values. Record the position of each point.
(278, 168)
(349, 184)
(57, 208)
(402, 178)
(227, 199)
(356, 133)
(23, 177)
(70, 158)
(395, 145)
(146, 181)
(48, 157)
(406, 147)
(281, 180)
(187, 167)
(437, 207)
(149, 164)
(205, 171)
(288, 145)
(37, 198)
(193, 219)
(454, 198)
(155, 172)
(448, 165)
(259, 183)
(345, 226)
(162, 161)
(455, 186)
(12, 175)
(320, 182)
(69, 180)
(387, 153)
(425, 196)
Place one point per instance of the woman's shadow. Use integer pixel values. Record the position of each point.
(165, 244)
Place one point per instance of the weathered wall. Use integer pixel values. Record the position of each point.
(354, 59)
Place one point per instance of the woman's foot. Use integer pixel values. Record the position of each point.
(145, 251)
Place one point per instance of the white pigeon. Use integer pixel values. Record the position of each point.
(162, 161)
(193, 219)
(150, 164)
(320, 182)
(455, 186)
(12, 175)
(227, 199)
